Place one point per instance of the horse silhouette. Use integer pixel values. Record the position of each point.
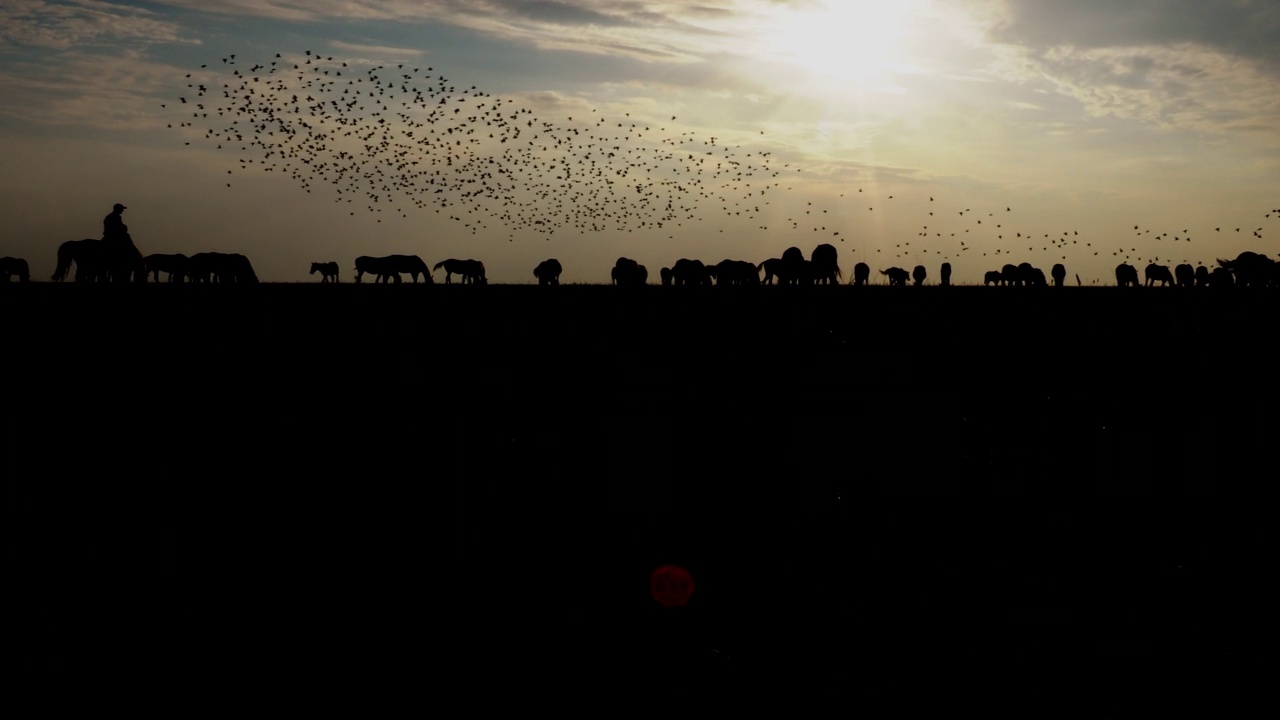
(175, 266)
(992, 277)
(736, 272)
(689, 272)
(1184, 275)
(629, 272)
(945, 275)
(1221, 277)
(329, 271)
(1158, 274)
(114, 260)
(1031, 276)
(824, 265)
(790, 269)
(11, 267)
(919, 274)
(470, 272)
(222, 268)
(1059, 273)
(1010, 274)
(897, 276)
(773, 268)
(1202, 276)
(1126, 275)
(861, 274)
(389, 267)
(548, 272)
(1251, 269)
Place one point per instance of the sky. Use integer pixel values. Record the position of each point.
(912, 132)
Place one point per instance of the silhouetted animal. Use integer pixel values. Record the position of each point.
(1031, 276)
(1059, 274)
(11, 267)
(329, 271)
(992, 276)
(389, 268)
(1010, 274)
(548, 272)
(945, 274)
(1126, 275)
(470, 271)
(689, 272)
(116, 260)
(736, 272)
(897, 276)
(629, 272)
(824, 265)
(1184, 275)
(772, 268)
(919, 274)
(1158, 274)
(1221, 277)
(175, 266)
(861, 274)
(223, 268)
(1251, 269)
(795, 268)
(665, 275)
(1202, 276)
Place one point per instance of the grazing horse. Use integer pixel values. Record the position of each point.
(471, 271)
(736, 272)
(861, 274)
(1158, 274)
(1126, 275)
(114, 260)
(222, 268)
(1251, 269)
(823, 262)
(176, 266)
(548, 272)
(628, 272)
(391, 266)
(992, 277)
(328, 271)
(12, 266)
(1184, 275)
(897, 276)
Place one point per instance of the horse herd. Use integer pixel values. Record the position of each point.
(103, 261)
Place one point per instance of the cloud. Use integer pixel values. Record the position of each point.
(1186, 64)
(647, 31)
(61, 25)
(376, 50)
(118, 93)
(1185, 86)
(1242, 28)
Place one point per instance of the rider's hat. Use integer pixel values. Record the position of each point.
(120, 207)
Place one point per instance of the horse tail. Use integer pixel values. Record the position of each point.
(439, 265)
(65, 256)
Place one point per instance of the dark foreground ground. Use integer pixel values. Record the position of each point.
(1009, 501)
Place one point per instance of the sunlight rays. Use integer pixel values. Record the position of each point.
(849, 41)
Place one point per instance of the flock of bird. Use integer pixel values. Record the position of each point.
(399, 138)
(396, 138)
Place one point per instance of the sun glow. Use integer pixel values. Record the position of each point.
(842, 40)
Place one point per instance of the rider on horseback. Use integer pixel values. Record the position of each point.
(113, 226)
(118, 244)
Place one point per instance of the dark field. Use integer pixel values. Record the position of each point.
(1003, 499)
